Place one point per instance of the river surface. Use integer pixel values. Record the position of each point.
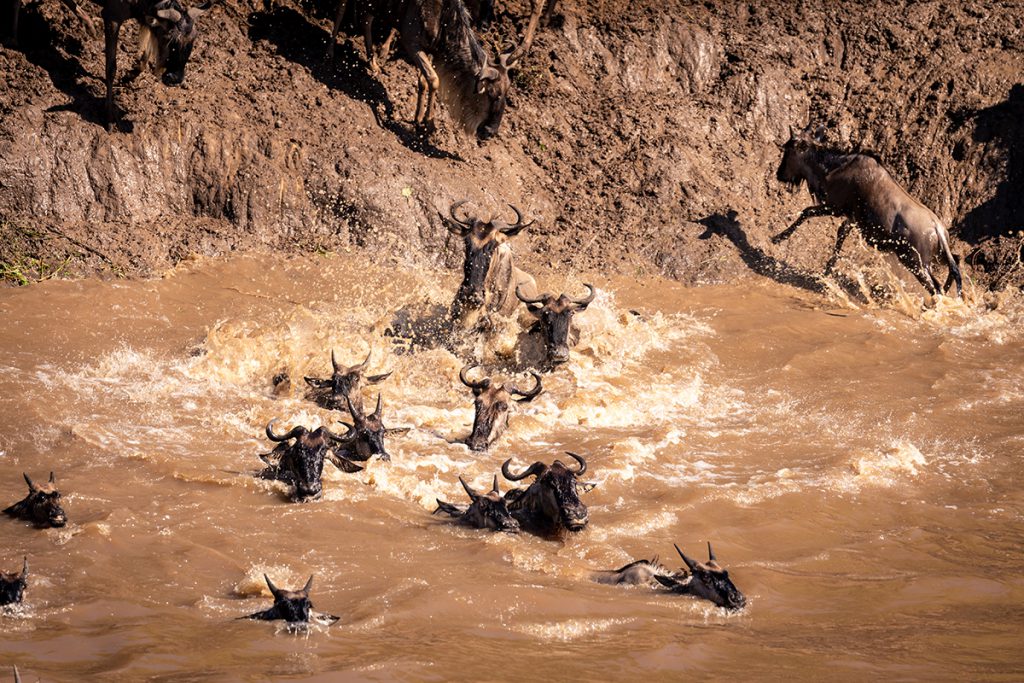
(857, 469)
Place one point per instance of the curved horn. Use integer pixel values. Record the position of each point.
(309, 584)
(472, 494)
(376, 411)
(451, 212)
(691, 565)
(356, 414)
(711, 553)
(296, 431)
(334, 436)
(463, 377)
(28, 480)
(580, 460)
(519, 226)
(24, 562)
(274, 590)
(366, 362)
(338, 367)
(526, 395)
(527, 300)
(536, 468)
(585, 301)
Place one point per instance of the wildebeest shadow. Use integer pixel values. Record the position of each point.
(302, 42)
(39, 43)
(1003, 125)
(764, 264)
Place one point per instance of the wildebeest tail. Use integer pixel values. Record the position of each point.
(954, 268)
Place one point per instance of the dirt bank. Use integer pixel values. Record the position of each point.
(645, 135)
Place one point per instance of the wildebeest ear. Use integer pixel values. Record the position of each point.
(343, 464)
(374, 379)
(588, 486)
(317, 383)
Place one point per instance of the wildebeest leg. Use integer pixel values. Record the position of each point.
(111, 29)
(951, 263)
(911, 258)
(342, 4)
(432, 83)
(809, 212)
(843, 232)
(385, 49)
(371, 55)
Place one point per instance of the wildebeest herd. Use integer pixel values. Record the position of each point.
(437, 36)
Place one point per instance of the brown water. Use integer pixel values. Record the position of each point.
(856, 468)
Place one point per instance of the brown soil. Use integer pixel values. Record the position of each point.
(645, 135)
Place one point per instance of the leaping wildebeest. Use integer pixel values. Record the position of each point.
(344, 383)
(298, 459)
(485, 511)
(857, 188)
(551, 502)
(12, 585)
(294, 607)
(490, 277)
(707, 581)
(41, 506)
(554, 321)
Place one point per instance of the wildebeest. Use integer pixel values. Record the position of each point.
(167, 33)
(551, 503)
(437, 37)
(344, 383)
(293, 607)
(12, 585)
(706, 580)
(554, 321)
(491, 406)
(365, 436)
(301, 462)
(489, 275)
(41, 506)
(485, 511)
(856, 187)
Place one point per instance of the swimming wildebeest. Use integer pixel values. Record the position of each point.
(293, 607)
(554, 321)
(12, 585)
(301, 462)
(489, 275)
(706, 580)
(856, 187)
(41, 506)
(344, 383)
(491, 406)
(551, 503)
(365, 437)
(437, 37)
(485, 511)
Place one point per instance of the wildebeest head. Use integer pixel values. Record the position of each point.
(793, 167)
(554, 493)
(482, 239)
(344, 383)
(491, 406)
(12, 585)
(486, 511)
(554, 320)
(41, 505)
(293, 607)
(493, 84)
(167, 36)
(707, 580)
(365, 437)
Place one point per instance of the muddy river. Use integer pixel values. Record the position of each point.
(856, 467)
